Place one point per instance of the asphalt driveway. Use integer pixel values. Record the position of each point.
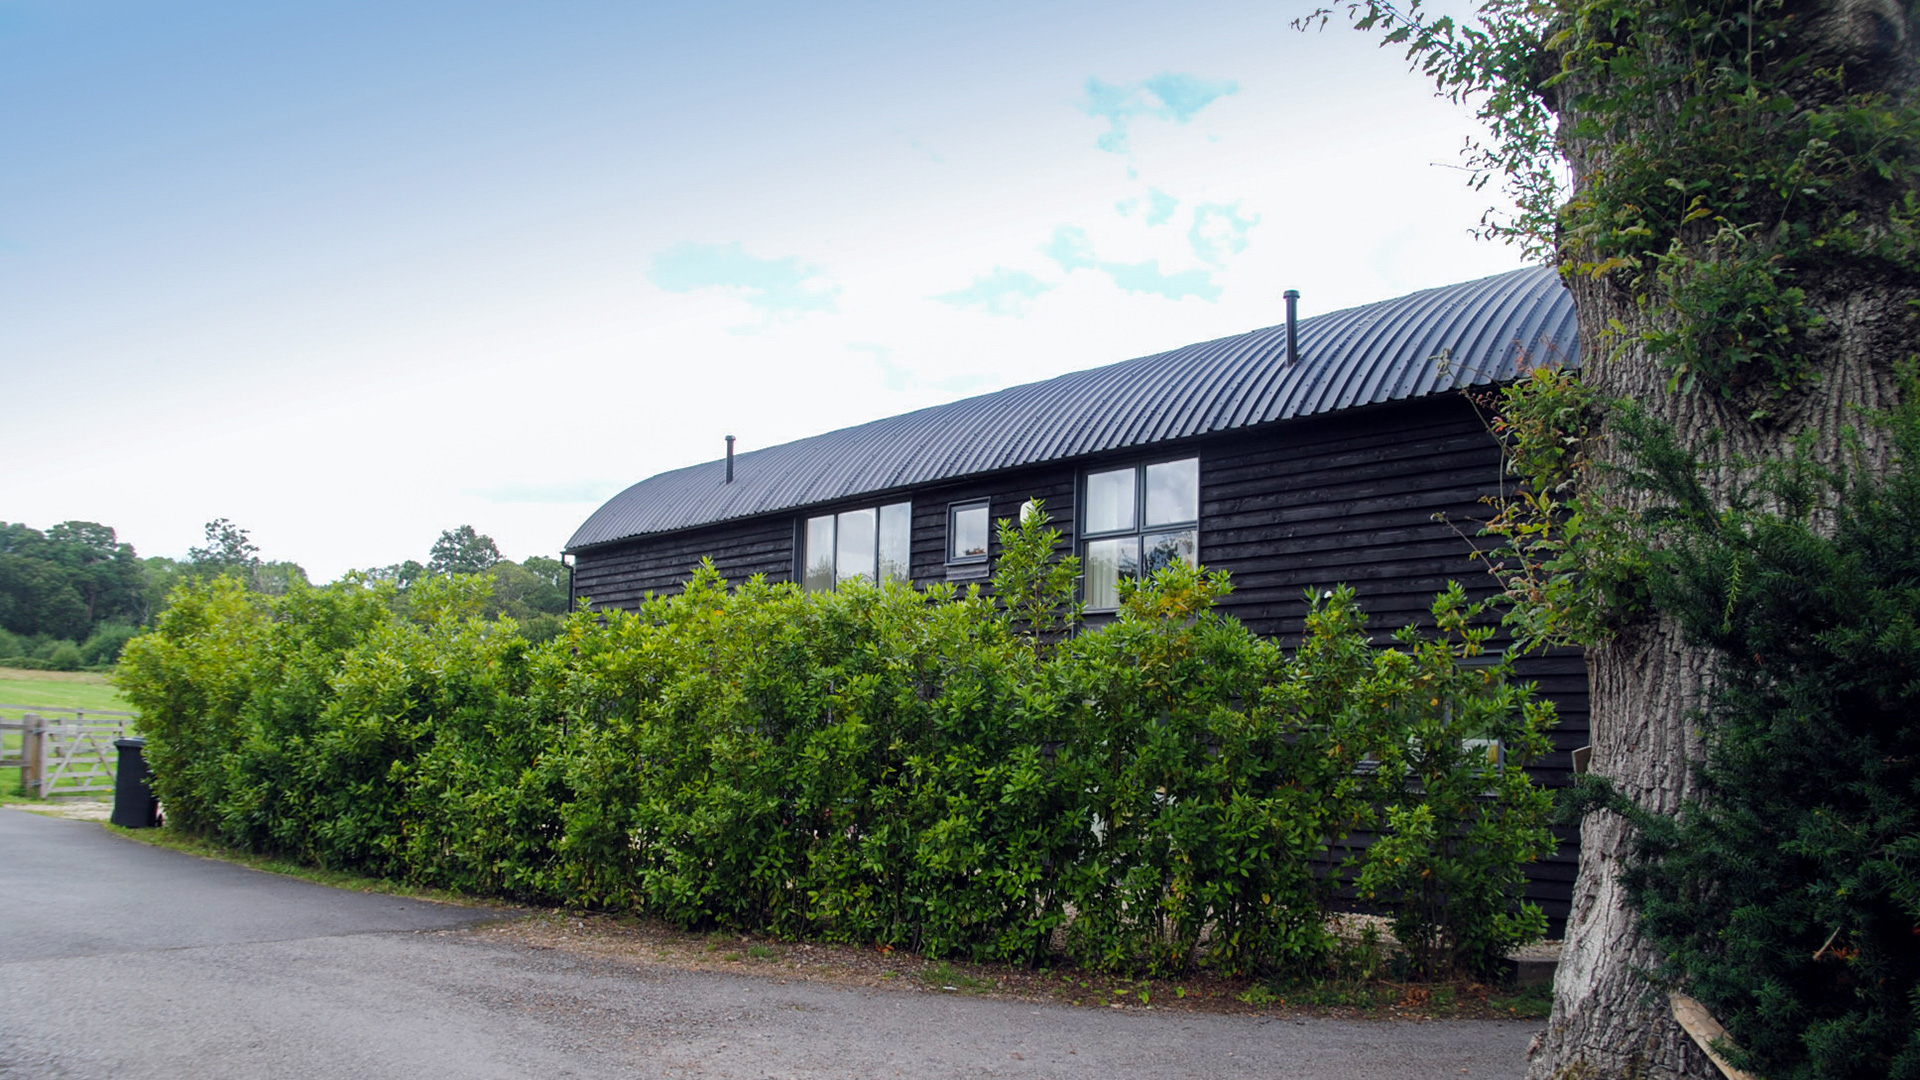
(122, 960)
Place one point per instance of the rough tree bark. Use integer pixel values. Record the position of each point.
(1609, 1019)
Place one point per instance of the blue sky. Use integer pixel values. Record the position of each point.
(351, 274)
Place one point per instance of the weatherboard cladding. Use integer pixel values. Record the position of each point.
(1471, 334)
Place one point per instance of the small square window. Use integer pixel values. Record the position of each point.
(1110, 497)
(1161, 550)
(1173, 493)
(968, 528)
(1107, 562)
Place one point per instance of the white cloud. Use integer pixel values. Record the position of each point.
(1219, 230)
(1148, 278)
(1170, 95)
(775, 289)
(998, 292)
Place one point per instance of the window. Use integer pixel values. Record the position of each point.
(967, 530)
(836, 548)
(1136, 520)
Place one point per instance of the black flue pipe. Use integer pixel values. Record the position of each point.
(729, 459)
(1292, 297)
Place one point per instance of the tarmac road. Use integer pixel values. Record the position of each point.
(122, 960)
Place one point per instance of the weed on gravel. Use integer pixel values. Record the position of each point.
(648, 942)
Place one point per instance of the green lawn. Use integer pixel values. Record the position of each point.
(59, 689)
(53, 690)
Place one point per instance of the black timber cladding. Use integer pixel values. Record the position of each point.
(1386, 500)
(1477, 333)
(623, 576)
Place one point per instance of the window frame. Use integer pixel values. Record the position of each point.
(803, 526)
(1139, 530)
(954, 510)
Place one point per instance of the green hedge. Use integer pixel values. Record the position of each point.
(926, 769)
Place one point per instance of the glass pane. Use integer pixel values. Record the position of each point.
(967, 533)
(896, 542)
(1107, 562)
(1163, 549)
(1110, 501)
(819, 555)
(853, 549)
(1173, 492)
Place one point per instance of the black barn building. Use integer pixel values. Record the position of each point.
(1355, 459)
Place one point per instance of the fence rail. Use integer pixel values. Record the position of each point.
(62, 751)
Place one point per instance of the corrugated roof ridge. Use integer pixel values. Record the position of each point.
(1354, 356)
(1382, 376)
(1478, 345)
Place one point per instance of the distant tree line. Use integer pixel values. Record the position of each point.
(533, 593)
(72, 596)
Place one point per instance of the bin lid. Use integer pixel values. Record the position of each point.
(134, 743)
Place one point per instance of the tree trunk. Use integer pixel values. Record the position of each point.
(1609, 1018)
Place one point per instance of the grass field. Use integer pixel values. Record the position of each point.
(50, 690)
(59, 689)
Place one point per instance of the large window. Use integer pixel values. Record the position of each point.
(865, 543)
(1136, 520)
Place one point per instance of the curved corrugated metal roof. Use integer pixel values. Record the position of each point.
(1430, 342)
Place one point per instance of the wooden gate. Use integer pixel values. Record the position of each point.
(62, 751)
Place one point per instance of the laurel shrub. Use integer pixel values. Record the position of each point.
(929, 769)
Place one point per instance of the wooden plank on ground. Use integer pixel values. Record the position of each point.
(1705, 1031)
